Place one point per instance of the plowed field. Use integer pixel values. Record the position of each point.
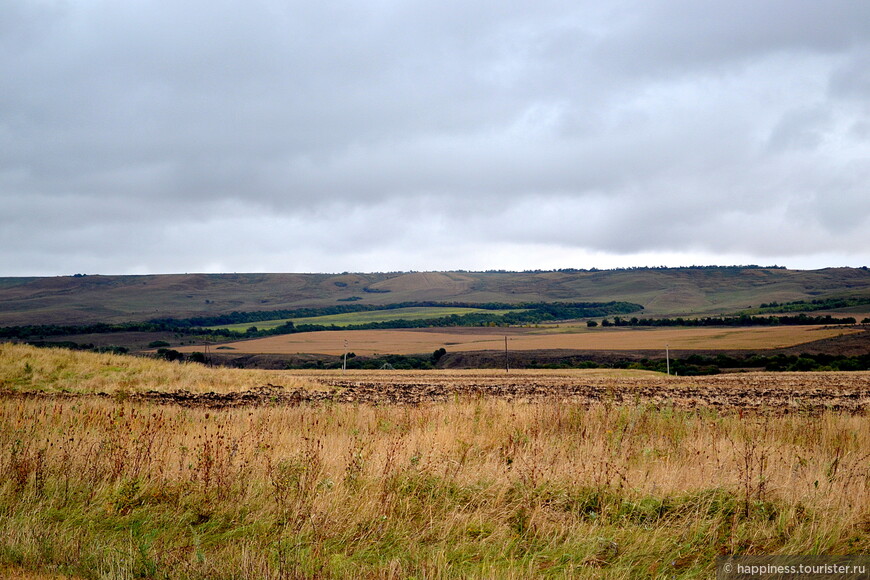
(775, 393)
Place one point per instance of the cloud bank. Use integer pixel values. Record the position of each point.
(156, 136)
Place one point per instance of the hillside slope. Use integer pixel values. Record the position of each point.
(674, 291)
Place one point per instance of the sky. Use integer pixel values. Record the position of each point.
(157, 136)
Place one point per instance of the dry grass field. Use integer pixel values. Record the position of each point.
(372, 342)
(27, 369)
(466, 486)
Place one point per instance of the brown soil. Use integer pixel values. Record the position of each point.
(752, 392)
(854, 344)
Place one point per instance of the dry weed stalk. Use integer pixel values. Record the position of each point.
(480, 486)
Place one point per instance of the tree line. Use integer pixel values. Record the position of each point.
(812, 305)
(697, 364)
(742, 320)
(691, 365)
(631, 269)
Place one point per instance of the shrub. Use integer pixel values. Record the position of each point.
(169, 354)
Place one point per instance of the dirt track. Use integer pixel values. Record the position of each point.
(767, 392)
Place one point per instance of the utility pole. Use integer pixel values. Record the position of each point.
(344, 362)
(668, 358)
(507, 367)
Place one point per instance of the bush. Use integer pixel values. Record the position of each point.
(169, 354)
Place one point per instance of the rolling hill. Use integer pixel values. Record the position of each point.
(665, 291)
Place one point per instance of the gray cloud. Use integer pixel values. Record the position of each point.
(160, 136)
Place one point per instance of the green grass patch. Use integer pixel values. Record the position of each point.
(366, 317)
(427, 523)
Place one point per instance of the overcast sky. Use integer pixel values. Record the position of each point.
(288, 136)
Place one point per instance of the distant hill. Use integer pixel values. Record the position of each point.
(662, 291)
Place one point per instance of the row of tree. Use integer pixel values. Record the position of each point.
(32, 330)
(813, 305)
(635, 268)
(537, 311)
(742, 320)
(695, 364)
(710, 365)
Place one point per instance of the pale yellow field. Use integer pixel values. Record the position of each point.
(373, 342)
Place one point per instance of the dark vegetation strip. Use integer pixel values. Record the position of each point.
(811, 305)
(742, 320)
(691, 365)
(696, 364)
(732, 268)
(534, 313)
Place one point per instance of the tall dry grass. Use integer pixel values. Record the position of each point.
(26, 368)
(472, 488)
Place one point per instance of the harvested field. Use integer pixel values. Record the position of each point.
(374, 342)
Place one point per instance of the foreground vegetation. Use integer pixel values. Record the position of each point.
(476, 487)
(467, 489)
